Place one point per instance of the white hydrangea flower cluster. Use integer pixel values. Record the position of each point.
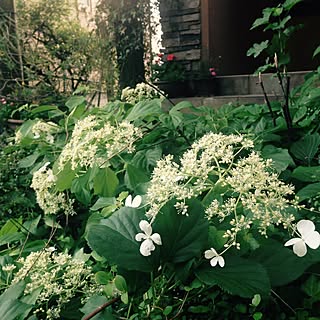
(142, 91)
(49, 200)
(252, 194)
(212, 154)
(42, 129)
(95, 141)
(60, 278)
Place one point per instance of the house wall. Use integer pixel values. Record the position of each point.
(216, 33)
(181, 27)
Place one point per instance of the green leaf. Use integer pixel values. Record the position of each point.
(103, 202)
(103, 277)
(94, 303)
(306, 148)
(307, 174)
(183, 237)
(289, 4)
(309, 191)
(75, 101)
(316, 52)
(120, 283)
(312, 286)
(10, 306)
(147, 160)
(264, 20)
(134, 176)
(114, 239)
(105, 182)
(65, 178)
(144, 109)
(282, 265)
(281, 158)
(239, 276)
(29, 160)
(257, 48)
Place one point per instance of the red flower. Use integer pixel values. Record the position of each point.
(160, 55)
(171, 57)
(212, 71)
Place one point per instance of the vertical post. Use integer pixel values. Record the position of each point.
(206, 10)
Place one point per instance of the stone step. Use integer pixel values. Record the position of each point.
(249, 84)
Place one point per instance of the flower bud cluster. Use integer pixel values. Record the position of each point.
(58, 276)
(245, 190)
(141, 92)
(48, 199)
(94, 141)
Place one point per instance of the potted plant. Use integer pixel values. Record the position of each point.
(169, 75)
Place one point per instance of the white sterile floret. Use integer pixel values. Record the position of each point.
(307, 237)
(135, 203)
(148, 238)
(214, 257)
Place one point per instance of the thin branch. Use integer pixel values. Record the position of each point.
(101, 308)
(266, 99)
(285, 303)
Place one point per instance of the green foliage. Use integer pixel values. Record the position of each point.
(277, 20)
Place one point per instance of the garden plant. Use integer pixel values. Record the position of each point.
(137, 211)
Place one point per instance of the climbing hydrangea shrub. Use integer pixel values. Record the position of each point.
(246, 193)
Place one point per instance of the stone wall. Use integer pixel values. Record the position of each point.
(181, 27)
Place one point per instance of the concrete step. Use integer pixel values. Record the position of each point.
(249, 84)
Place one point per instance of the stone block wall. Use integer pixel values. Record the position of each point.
(181, 27)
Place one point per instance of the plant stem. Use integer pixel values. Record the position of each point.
(101, 308)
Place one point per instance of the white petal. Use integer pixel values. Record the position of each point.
(146, 247)
(305, 227)
(221, 261)
(136, 202)
(312, 240)
(128, 202)
(145, 226)
(156, 238)
(300, 248)
(214, 261)
(208, 254)
(140, 236)
(292, 242)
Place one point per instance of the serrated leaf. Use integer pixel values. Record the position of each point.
(114, 239)
(257, 48)
(309, 191)
(144, 109)
(307, 174)
(281, 158)
(306, 148)
(105, 182)
(289, 4)
(134, 176)
(183, 237)
(239, 276)
(278, 261)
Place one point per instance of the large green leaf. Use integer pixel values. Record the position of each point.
(145, 109)
(64, 177)
(257, 48)
(114, 239)
(147, 159)
(281, 158)
(306, 148)
(307, 174)
(75, 101)
(105, 183)
(11, 307)
(282, 265)
(183, 237)
(239, 277)
(134, 176)
(310, 191)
